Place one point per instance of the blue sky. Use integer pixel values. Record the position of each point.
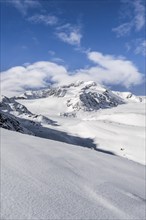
(81, 38)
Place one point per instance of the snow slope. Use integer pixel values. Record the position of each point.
(111, 121)
(120, 129)
(44, 179)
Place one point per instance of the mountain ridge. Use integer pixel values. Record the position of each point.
(86, 96)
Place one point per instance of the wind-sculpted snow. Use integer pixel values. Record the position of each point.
(45, 179)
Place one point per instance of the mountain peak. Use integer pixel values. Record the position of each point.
(82, 95)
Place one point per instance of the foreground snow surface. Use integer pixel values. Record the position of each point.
(45, 179)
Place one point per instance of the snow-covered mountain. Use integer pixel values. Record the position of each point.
(48, 170)
(109, 120)
(86, 96)
(9, 105)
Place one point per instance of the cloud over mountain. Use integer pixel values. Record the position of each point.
(106, 69)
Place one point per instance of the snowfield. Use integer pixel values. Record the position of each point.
(113, 121)
(73, 152)
(46, 179)
(120, 129)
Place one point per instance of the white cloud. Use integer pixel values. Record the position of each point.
(51, 52)
(72, 38)
(107, 69)
(57, 60)
(24, 5)
(69, 34)
(123, 29)
(136, 20)
(139, 9)
(44, 19)
(128, 46)
(54, 58)
(114, 70)
(20, 78)
(141, 48)
(137, 46)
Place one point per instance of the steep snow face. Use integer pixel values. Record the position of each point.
(44, 179)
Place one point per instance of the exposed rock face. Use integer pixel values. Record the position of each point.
(15, 116)
(90, 101)
(10, 122)
(10, 105)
